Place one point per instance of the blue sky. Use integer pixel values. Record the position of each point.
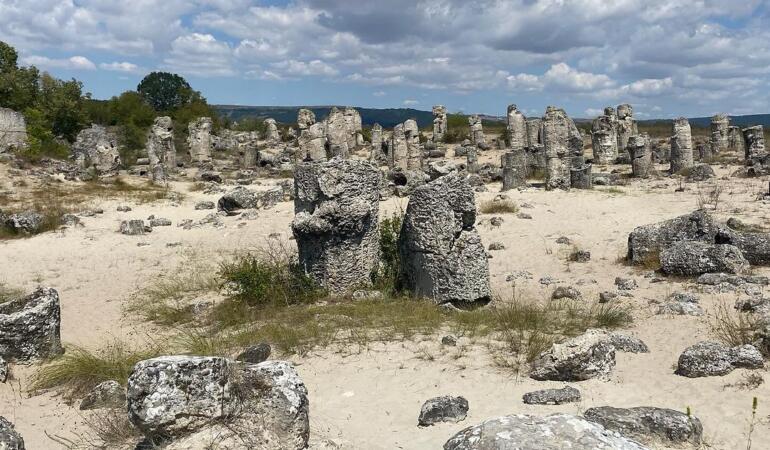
(665, 57)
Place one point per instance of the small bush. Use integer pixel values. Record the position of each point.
(734, 328)
(499, 207)
(387, 276)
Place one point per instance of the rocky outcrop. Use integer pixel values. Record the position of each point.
(161, 150)
(755, 151)
(649, 424)
(583, 357)
(184, 401)
(10, 439)
(377, 154)
(645, 243)
(29, 327)
(439, 123)
(312, 143)
(697, 258)
(443, 409)
(755, 246)
(305, 118)
(13, 130)
(199, 140)
(413, 149)
(554, 432)
(336, 223)
(707, 359)
(96, 148)
(441, 251)
(681, 146)
(399, 148)
(272, 135)
(626, 125)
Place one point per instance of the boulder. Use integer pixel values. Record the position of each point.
(700, 172)
(697, 258)
(708, 358)
(441, 251)
(27, 222)
(107, 394)
(189, 401)
(133, 227)
(29, 327)
(96, 148)
(4, 369)
(336, 224)
(567, 394)
(443, 409)
(255, 354)
(646, 242)
(554, 432)
(755, 246)
(583, 357)
(10, 439)
(568, 292)
(649, 424)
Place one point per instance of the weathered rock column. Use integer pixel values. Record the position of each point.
(161, 150)
(354, 127)
(441, 251)
(305, 118)
(312, 143)
(580, 177)
(413, 149)
(626, 125)
(516, 129)
(756, 154)
(199, 140)
(248, 149)
(337, 133)
(13, 130)
(735, 139)
(97, 148)
(720, 125)
(439, 123)
(558, 137)
(337, 222)
(641, 155)
(398, 148)
(477, 131)
(535, 149)
(272, 135)
(377, 154)
(604, 137)
(472, 160)
(681, 146)
(514, 165)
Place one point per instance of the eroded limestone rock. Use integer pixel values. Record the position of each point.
(30, 327)
(199, 140)
(13, 130)
(96, 148)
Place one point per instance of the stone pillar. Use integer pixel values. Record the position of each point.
(271, 134)
(720, 125)
(681, 146)
(199, 140)
(337, 133)
(641, 155)
(535, 148)
(472, 160)
(13, 130)
(413, 150)
(514, 165)
(96, 148)
(735, 139)
(516, 129)
(336, 225)
(580, 177)
(376, 154)
(442, 256)
(247, 145)
(305, 118)
(604, 137)
(312, 143)
(704, 152)
(439, 123)
(756, 154)
(626, 125)
(161, 150)
(398, 148)
(354, 128)
(559, 141)
(477, 131)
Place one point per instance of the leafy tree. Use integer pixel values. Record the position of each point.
(167, 91)
(62, 103)
(18, 86)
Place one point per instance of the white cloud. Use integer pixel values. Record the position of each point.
(121, 67)
(305, 68)
(379, 94)
(410, 102)
(563, 76)
(72, 63)
(200, 54)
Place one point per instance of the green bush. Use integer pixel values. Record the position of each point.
(387, 276)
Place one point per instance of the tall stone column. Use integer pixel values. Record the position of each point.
(756, 154)
(559, 136)
(681, 146)
(199, 140)
(13, 130)
(626, 125)
(161, 150)
(413, 150)
(604, 137)
(439, 123)
(336, 222)
(305, 118)
(398, 148)
(477, 130)
(720, 125)
(535, 148)
(735, 139)
(641, 155)
(376, 155)
(472, 160)
(514, 165)
(516, 129)
(272, 135)
(312, 143)
(247, 145)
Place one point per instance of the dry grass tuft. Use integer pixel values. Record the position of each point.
(499, 207)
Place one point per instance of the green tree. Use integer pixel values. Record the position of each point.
(18, 86)
(167, 91)
(62, 103)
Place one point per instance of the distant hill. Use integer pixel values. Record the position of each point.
(388, 118)
(393, 116)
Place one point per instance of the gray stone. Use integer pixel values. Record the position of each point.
(96, 148)
(4, 370)
(189, 400)
(628, 344)
(580, 177)
(160, 222)
(377, 155)
(649, 424)
(272, 135)
(567, 394)
(205, 204)
(496, 246)
(399, 149)
(312, 143)
(562, 141)
(696, 258)
(440, 168)
(583, 357)
(525, 432)
(755, 246)
(107, 394)
(709, 358)
(441, 250)
(10, 439)
(477, 131)
(681, 304)
(337, 222)
(700, 172)
(640, 151)
(681, 146)
(443, 409)
(30, 327)
(13, 130)
(133, 227)
(255, 354)
(626, 284)
(514, 164)
(516, 129)
(567, 292)
(439, 123)
(27, 222)
(626, 125)
(647, 242)
(607, 296)
(604, 137)
(449, 340)
(719, 141)
(755, 151)
(199, 140)
(305, 118)
(161, 150)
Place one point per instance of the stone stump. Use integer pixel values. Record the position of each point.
(439, 123)
(161, 150)
(641, 155)
(514, 165)
(199, 140)
(681, 146)
(580, 177)
(516, 129)
(720, 125)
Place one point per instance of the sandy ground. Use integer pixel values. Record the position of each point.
(371, 398)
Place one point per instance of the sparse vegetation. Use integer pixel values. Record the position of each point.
(732, 327)
(387, 277)
(8, 293)
(499, 207)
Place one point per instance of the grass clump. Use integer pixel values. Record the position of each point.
(79, 369)
(734, 328)
(499, 207)
(8, 293)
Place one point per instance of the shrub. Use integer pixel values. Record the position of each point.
(498, 207)
(389, 270)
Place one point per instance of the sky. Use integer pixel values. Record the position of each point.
(665, 57)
